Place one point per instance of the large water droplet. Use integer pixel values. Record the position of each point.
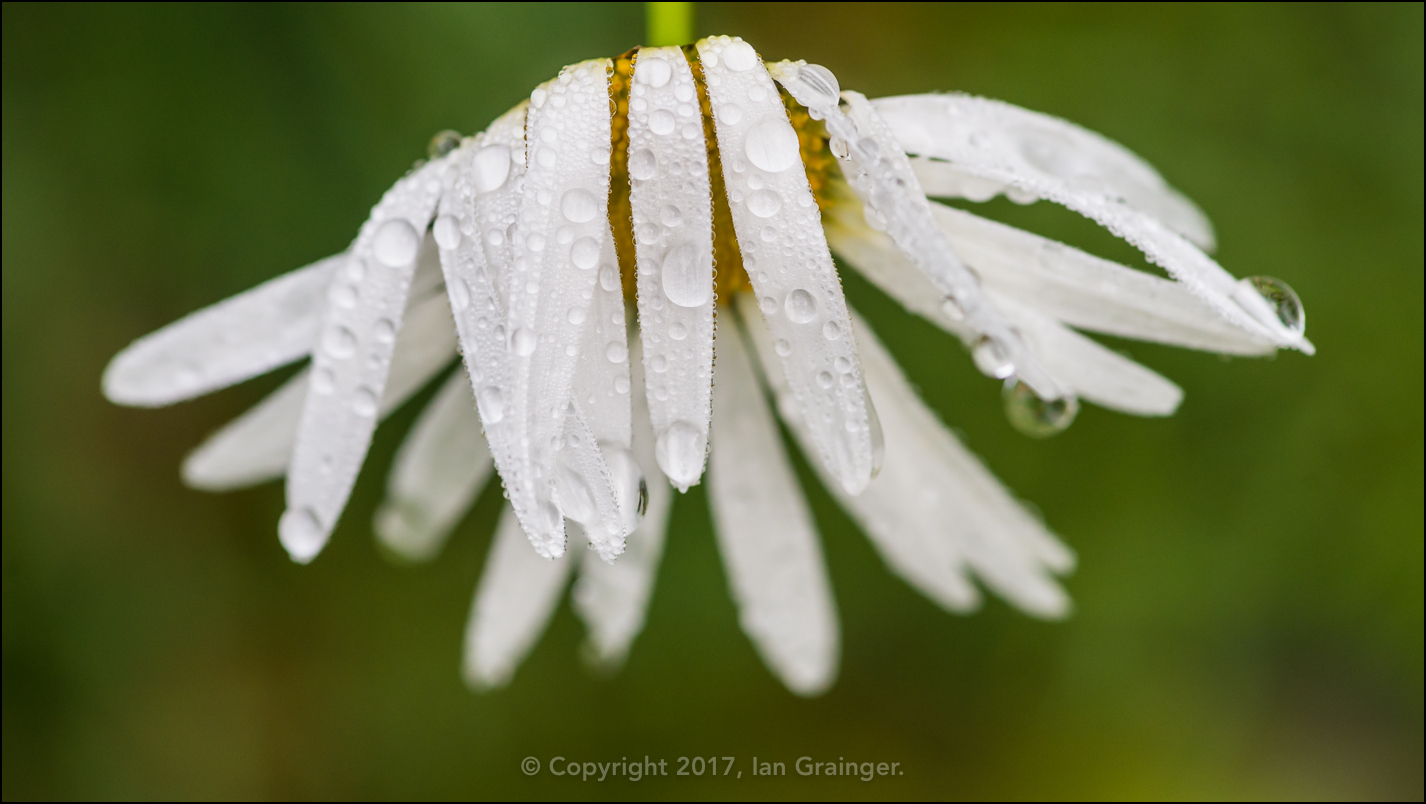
(764, 203)
(447, 232)
(677, 331)
(395, 243)
(740, 56)
(687, 276)
(801, 307)
(489, 168)
(1038, 417)
(579, 206)
(1280, 300)
(490, 404)
(443, 143)
(992, 358)
(584, 253)
(576, 315)
(772, 145)
(364, 402)
(653, 71)
(679, 450)
(831, 330)
(608, 279)
(643, 164)
(616, 352)
(730, 113)
(671, 216)
(824, 379)
(522, 341)
(631, 492)
(823, 85)
(301, 533)
(662, 122)
(339, 343)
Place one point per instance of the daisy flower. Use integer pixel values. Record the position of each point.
(590, 253)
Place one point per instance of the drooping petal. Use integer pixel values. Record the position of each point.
(934, 511)
(1052, 145)
(236, 339)
(441, 466)
(584, 486)
(927, 129)
(257, 446)
(559, 236)
(785, 254)
(612, 597)
(766, 534)
(517, 594)
(350, 365)
(673, 231)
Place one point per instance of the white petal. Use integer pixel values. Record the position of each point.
(934, 511)
(559, 236)
(613, 597)
(785, 253)
(441, 466)
(257, 446)
(766, 535)
(999, 157)
(584, 487)
(1092, 371)
(350, 364)
(236, 339)
(1052, 145)
(517, 594)
(673, 231)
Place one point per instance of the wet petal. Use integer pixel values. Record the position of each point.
(441, 466)
(236, 339)
(766, 534)
(1053, 146)
(257, 446)
(785, 253)
(517, 594)
(613, 597)
(673, 231)
(583, 488)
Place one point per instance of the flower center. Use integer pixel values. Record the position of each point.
(729, 276)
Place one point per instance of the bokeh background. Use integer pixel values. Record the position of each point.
(1249, 598)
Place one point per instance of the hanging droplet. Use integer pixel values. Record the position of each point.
(395, 243)
(301, 534)
(823, 85)
(772, 145)
(878, 439)
(953, 309)
(1033, 416)
(1281, 301)
(991, 358)
(489, 168)
(679, 451)
(801, 307)
(687, 276)
(631, 492)
(443, 143)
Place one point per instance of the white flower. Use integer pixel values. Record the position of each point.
(507, 247)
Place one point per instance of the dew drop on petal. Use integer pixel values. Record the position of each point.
(616, 352)
(576, 315)
(772, 145)
(653, 71)
(782, 347)
(1033, 416)
(384, 331)
(344, 296)
(395, 243)
(643, 164)
(678, 332)
(824, 379)
(608, 279)
(443, 143)
(323, 381)
(991, 358)
(522, 341)
(822, 83)
(300, 533)
(740, 56)
(659, 364)
(831, 331)
(490, 404)
(687, 278)
(1281, 299)
(489, 168)
(340, 343)
(730, 113)
(671, 216)
(764, 203)
(584, 253)
(621, 384)
(447, 232)
(801, 307)
(578, 206)
(679, 450)
(768, 305)
(662, 122)
(364, 402)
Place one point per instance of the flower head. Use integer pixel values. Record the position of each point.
(696, 191)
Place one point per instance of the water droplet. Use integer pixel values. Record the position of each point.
(572, 494)
(824, 379)
(356, 269)
(489, 168)
(323, 381)
(616, 352)
(631, 492)
(662, 122)
(992, 358)
(579, 206)
(782, 347)
(653, 71)
(608, 279)
(772, 145)
(443, 143)
(764, 203)
(878, 439)
(621, 384)
(730, 113)
(687, 276)
(364, 402)
(740, 56)
(495, 237)
(831, 330)
(576, 315)
(490, 404)
(546, 157)
(384, 331)
(768, 305)
(839, 147)
(671, 216)
(301, 533)
(643, 164)
(842, 364)
(340, 343)
(563, 235)
(584, 253)
(344, 296)
(679, 451)
(539, 96)
(1033, 416)
(678, 332)
(395, 243)
(522, 341)
(659, 364)
(756, 93)
(953, 309)
(801, 307)
(1281, 300)
(447, 232)
(873, 218)
(820, 81)
(769, 234)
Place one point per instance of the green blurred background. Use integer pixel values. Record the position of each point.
(1249, 598)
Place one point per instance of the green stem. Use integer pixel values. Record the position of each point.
(668, 23)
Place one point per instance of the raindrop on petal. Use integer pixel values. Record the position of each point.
(991, 358)
(301, 534)
(395, 243)
(447, 232)
(489, 168)
(687, 276)
(801, 307)
(772, 145)
(679, 450)
(1033, 416)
